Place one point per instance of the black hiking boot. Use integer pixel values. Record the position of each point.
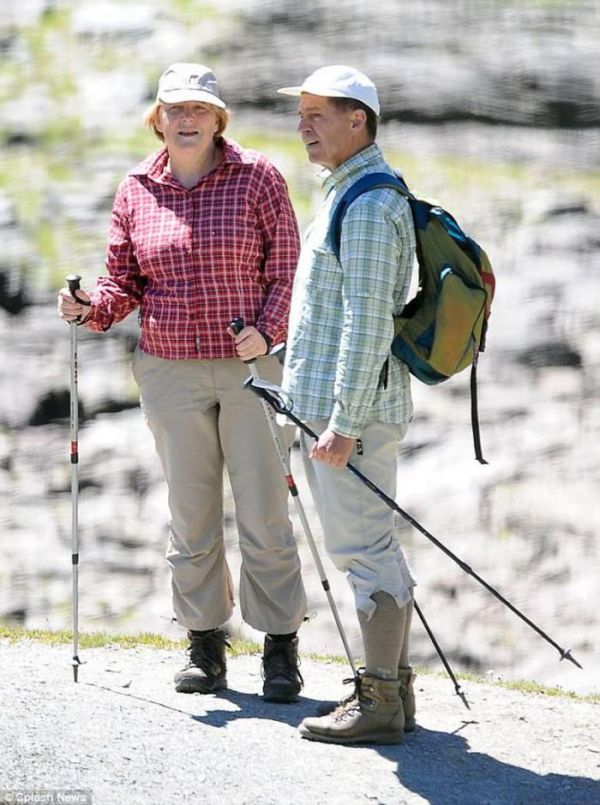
(206, 671)
(283, 680)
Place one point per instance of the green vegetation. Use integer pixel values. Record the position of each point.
(190, 9)
(91, 640)
(65, 152)
(59, 158)
(41, 42)
(526, 686)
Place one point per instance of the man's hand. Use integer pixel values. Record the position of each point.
(249, 343)
(333, 449)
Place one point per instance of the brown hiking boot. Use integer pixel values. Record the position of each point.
(374, 715)
(406, 679)
(282, 679)
(207, 668)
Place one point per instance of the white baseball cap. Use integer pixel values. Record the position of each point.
(184, 81)
(338, 81)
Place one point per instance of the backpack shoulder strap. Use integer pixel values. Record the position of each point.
(369, 181)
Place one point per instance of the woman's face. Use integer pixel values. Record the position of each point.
(187, 126)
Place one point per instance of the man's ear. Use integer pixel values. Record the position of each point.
(359, 118)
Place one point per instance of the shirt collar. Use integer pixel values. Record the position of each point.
(154, 166)
(362, 162)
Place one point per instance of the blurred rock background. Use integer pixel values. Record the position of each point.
(491, 107)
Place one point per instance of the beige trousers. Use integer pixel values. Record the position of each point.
(358, 527)
(202, 420)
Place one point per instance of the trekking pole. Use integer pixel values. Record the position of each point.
(457, 688)
(73, 281)
(237, 325)
(276, 397)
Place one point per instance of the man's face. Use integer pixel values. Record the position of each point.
(328, 132)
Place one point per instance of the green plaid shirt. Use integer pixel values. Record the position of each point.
(341, 319)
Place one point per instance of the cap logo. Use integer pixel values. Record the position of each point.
(201, 82)
(191, 82)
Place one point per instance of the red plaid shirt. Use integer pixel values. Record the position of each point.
(193, 260)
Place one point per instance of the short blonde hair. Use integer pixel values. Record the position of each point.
(151, 118)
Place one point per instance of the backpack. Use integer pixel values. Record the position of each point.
(442, 329)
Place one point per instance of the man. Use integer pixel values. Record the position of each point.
(346, 385)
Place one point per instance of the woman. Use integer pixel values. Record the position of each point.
(203, 232)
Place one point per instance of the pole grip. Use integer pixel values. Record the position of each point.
(73, 281)
(237, 325)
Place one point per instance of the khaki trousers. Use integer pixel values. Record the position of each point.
(202, 420)
(358, 527)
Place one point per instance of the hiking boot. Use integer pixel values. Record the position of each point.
(207, 668)
(373, 715)
(407, 697)
(282, 679)
(407, 694)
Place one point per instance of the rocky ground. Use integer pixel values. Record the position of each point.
(124, 735)
(498, 152)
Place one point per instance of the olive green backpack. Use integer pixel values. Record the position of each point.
(442, 330)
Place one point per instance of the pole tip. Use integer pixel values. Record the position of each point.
(565, 654)
(462, 697)
(75, 662)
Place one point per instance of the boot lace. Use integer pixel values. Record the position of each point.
(352, 697)
(205, 651)
(281, 660)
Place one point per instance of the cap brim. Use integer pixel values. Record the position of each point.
(290, 91)
(190, 95)
(326, 93)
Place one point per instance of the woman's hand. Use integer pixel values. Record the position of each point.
(69, 309)
(249, 343)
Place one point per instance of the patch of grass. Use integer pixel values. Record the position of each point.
(191, 9)
(450, 177)
(456, 171)
(527, 686)
(548, 3)
(523, 4)
(288, 145)
(454, 180)
(135, 144)
(90, 640)
(42, 41)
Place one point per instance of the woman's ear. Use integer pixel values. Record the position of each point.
(157, 117)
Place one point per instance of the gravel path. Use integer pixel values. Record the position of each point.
(125, 735)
